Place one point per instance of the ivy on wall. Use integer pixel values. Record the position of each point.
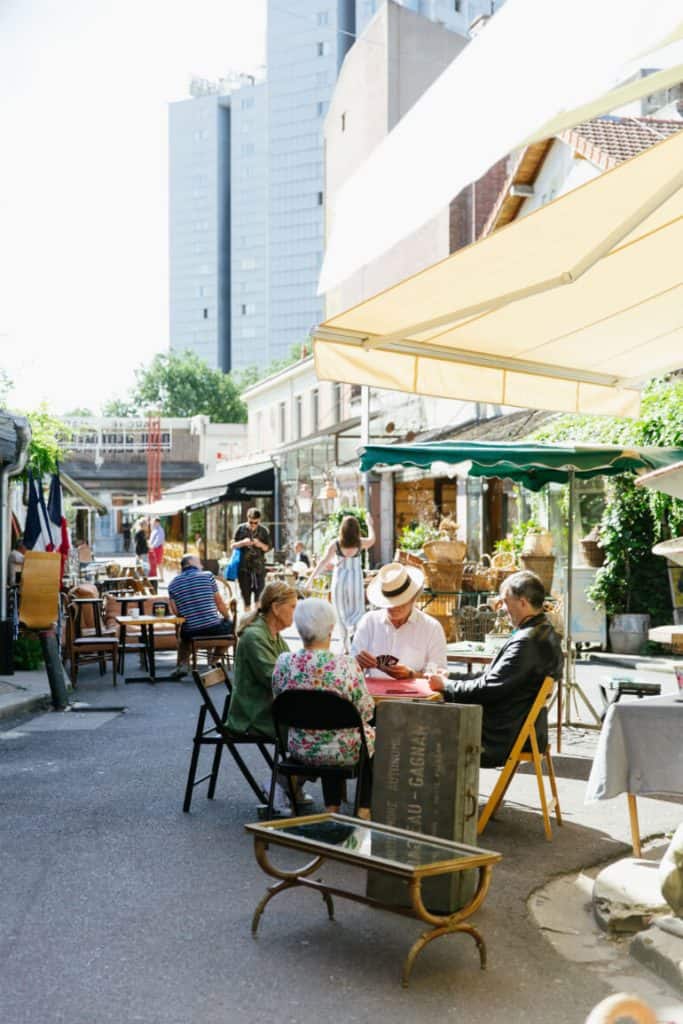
(632, 578)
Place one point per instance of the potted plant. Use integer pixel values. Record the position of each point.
(413, 537)
(632, 585)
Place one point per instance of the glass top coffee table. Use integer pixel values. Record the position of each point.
(382, 848)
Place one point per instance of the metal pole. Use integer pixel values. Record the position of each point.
(276, 503)
(365, 435)
(569, 668)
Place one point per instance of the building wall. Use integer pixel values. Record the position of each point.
(457, 15)
(470, 209)
(306, 45)
(199, 228)
(250, 340)
(108, 457)
(394, 61)
(272, 404)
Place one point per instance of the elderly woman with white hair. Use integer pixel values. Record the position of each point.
(317, 668)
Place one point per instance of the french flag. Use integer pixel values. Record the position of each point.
(57, 519)
(37, 531)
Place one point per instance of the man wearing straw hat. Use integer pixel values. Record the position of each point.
(398, 640)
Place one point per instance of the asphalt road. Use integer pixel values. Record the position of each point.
(117, 907)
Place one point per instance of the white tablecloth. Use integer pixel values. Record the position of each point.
(640, 750)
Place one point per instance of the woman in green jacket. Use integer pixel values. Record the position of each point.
(259, 647)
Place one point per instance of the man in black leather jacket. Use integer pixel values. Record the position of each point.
(508, 687)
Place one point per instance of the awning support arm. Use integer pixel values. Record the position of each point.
(601, 250)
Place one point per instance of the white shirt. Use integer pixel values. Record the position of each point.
(416, 643)
(157, 537)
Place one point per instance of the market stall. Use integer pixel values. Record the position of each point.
(533, 466)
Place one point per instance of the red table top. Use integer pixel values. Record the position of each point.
(381, 687)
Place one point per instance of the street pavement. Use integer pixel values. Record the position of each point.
(117, 907)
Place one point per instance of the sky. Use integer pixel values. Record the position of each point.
(84, 92)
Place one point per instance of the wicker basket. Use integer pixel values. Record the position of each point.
(592, 551)
(473, 623)
(408, 558)
(443, 576)
(503, 564)
(447, 623)
(554, 612)
(543, 566)
(484, 577)
(445, 550)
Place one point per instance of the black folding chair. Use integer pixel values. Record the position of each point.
(217, 735)
(314, 709)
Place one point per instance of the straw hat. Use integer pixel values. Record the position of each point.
(395, 584)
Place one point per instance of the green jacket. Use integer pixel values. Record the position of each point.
(252, 692)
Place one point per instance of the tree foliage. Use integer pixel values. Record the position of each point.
(181, 384)
(49, 441)
(632, 578)
(251, 375)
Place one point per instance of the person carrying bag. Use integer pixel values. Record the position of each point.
(233, 567)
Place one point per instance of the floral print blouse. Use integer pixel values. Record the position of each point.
(336, 673)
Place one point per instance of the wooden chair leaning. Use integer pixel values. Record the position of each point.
(39, 613)
(526, 749)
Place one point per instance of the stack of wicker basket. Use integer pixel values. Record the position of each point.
(443, 576)
(444, 566)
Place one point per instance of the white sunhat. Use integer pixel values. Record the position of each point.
(395, 584)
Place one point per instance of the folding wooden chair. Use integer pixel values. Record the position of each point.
(314, 709)
(526, 749)
(217, 735)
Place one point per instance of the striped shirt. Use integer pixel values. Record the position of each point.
(193, 591)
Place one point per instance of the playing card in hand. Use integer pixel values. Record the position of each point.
(385, 661)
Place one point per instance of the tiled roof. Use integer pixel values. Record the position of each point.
(608, 141)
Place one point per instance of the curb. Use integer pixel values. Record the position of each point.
(24, 705)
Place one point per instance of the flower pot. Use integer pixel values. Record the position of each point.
(593, 554)
(628, 633)
(539, 544)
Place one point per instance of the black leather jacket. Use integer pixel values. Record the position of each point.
(508, 687)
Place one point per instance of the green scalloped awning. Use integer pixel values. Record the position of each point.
(532, 465)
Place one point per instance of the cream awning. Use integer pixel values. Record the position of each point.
(668, 480)
(537, 68)
(568, 309)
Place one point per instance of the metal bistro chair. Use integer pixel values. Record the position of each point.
(314, 709)
(526, 749)
(217, 735)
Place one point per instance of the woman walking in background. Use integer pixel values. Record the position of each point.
(345, 556)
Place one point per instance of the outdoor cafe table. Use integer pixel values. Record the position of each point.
(146, 624)
(470, 653)
(639, 752)
(381, 848)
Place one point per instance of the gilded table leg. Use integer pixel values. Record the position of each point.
(288, 880)
(446, 924)
(273, 891)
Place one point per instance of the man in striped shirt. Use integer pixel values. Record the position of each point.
(194, 594)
